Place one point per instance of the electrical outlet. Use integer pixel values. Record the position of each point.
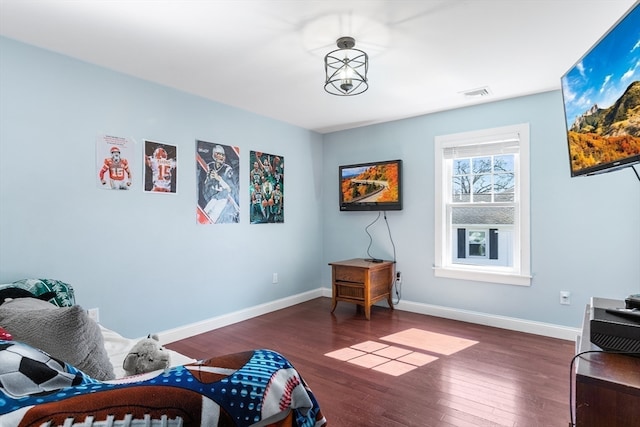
(94, 313)
(564, 297)
(398, 277)
(275, 278)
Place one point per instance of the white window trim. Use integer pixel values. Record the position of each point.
(520, 273)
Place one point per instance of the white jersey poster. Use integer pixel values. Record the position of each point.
(160, 167)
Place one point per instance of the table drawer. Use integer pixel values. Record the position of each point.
(349, 274)
(350, 290)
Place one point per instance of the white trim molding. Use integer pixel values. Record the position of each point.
(504, 322)
(213, 323)
(512, 140)
(493, 320)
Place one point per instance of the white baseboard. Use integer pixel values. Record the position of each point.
(510, 323)
(192, 329)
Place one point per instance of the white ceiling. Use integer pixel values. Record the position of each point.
(266, 56)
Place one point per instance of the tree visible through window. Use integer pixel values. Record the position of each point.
(482, 210)
(484, 179)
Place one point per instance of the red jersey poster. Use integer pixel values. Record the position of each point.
(113, 154)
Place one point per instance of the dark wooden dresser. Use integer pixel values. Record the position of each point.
(607, 385)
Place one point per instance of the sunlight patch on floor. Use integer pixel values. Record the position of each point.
(392, 352)
(369, 346)
(396, 361)
(394, 368)
(430, 341)
(345, 354)
(417, 359)
(369, 360)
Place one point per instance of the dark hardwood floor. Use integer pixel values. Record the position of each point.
(507, 379)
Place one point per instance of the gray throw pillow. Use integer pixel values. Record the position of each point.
(66, 333)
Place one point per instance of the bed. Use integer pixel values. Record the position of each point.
(88, 387)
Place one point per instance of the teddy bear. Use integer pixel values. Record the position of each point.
(145, 356)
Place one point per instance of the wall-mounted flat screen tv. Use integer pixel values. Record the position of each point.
(373, 186)
(601, 96)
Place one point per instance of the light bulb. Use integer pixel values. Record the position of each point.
(346, 76)
(346, 85)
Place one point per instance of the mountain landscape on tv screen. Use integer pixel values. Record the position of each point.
(605, 135)
(380, 183)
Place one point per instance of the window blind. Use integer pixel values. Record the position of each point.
(507, 144)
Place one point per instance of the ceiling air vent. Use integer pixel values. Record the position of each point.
(477, 93)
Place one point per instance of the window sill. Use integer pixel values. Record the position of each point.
(478, 275)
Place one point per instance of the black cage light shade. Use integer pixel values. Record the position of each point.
(346, 69)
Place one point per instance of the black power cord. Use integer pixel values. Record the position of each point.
(366, 229)
(396, 279)
(390, 237)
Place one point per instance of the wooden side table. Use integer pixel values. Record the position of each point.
(362, 282)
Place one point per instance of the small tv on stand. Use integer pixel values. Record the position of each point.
(601, 97)
(371, 186)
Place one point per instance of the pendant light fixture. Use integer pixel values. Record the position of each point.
(346, 69)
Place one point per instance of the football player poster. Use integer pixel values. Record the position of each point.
(266, 188)
(217, 175)
(113, 154)
(160, 167)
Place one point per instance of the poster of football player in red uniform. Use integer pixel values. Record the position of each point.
(114, 168)
(161, 162)
(266, 188)
(217, 168)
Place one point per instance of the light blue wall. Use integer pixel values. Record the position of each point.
(585, 232)
(132, 252)
(141, 258)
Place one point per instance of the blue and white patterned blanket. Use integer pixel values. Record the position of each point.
(253, 388)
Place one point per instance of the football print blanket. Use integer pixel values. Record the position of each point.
(254, 388)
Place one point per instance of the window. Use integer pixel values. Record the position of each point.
(477, 246)
(482, 205)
